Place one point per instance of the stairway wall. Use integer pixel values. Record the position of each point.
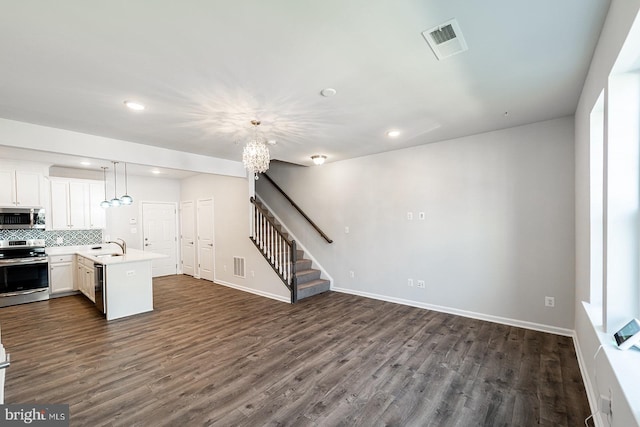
(498, 233)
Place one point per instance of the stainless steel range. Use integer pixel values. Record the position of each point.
(24, 272)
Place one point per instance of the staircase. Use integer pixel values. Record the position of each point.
(280, 250)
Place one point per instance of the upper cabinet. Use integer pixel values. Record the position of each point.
(23, 189)
(75, 205)
(97, 214)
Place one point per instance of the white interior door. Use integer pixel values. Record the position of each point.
(188, 238)
(159, 228)
(206, 254)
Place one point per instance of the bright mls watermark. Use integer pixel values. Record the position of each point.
(34, 415)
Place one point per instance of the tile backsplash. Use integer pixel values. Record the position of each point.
(69, 237)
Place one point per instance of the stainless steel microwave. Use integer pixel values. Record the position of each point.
(22, 218)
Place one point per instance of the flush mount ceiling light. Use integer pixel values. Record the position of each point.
(135, 106)
(318, 159)
(327, 92)
(85, 163)
(255, 155)
(155, 172)
(393, 133)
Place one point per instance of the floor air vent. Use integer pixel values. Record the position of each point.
(446, 39)
(238, 267)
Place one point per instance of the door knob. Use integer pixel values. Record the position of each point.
(147, 244)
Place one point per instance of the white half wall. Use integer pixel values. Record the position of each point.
(498, 230)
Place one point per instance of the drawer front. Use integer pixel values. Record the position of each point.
(60, 258)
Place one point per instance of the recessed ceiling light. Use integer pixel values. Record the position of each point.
(393, 133)
(328, 92)
(85, 163)
(318, 159)
(132, 105)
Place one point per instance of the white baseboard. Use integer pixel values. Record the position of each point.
(253, 291)
(591, 396)
(480, 316)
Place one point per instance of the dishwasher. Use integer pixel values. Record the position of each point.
(100, 287)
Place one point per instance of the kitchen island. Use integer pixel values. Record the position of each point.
(126, 287)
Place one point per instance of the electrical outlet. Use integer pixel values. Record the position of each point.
(549, 301)
(410, 283)
(605, 404)
(421, 215)
(421, 284)
(59, 240)
(346, 230)
(410, 216)
(224, 267)
(352, 274)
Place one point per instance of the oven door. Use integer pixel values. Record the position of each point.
(23, 276)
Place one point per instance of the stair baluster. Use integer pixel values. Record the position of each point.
(282, 255)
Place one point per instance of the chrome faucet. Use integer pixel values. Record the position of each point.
(122, 245)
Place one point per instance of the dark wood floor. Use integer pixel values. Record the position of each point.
(210, 355)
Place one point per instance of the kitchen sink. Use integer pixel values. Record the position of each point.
(108, 255)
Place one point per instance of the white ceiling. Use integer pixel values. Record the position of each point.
(204, 69)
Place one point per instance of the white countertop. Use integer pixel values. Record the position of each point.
(132, 255)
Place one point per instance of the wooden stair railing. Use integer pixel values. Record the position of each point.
(313, 224)
(280, 253)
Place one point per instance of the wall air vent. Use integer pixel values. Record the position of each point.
(238, 266)
(446, 39)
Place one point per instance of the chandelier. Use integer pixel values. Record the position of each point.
(255, 155)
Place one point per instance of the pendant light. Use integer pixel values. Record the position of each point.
(126, 199)
(115, 202)
(105, 203)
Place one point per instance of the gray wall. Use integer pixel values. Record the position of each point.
(498, 233)
(231, 234)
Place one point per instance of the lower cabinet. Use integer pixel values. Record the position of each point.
(61, 277)
(85, 277)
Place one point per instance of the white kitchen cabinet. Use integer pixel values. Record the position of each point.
(97, 214)
(61, 274)
(75, 205)
(23, 189)
(59, 205)
(86, 277)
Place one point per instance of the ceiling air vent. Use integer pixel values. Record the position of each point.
(446, 39)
